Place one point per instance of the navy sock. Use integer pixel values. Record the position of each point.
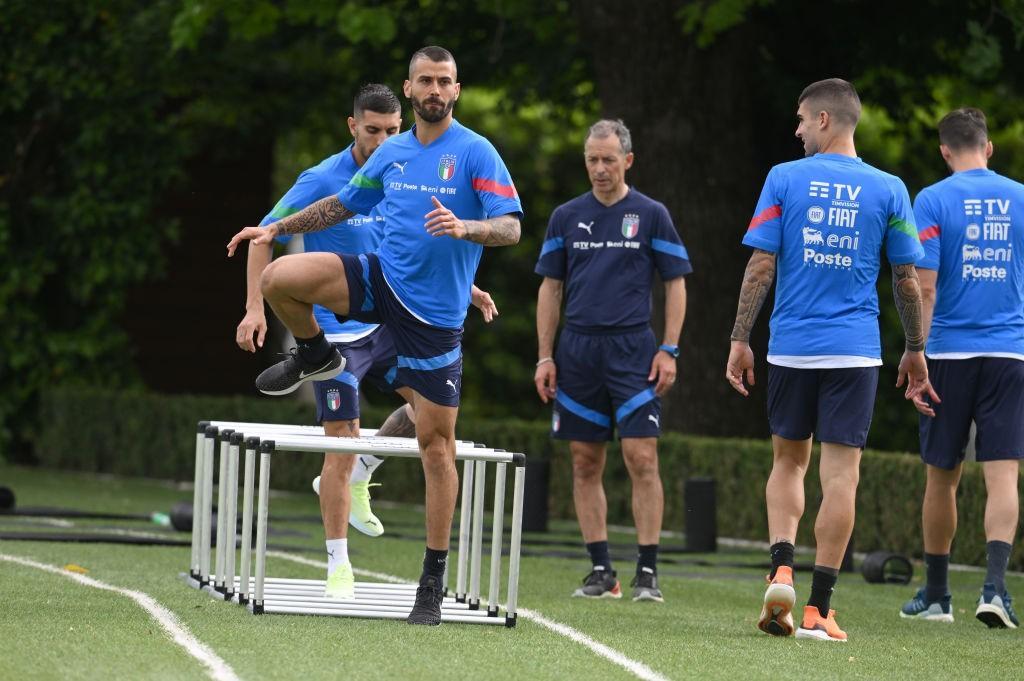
(782, 554)
(647, 557)
(434, 562)
(314, 350)
(998, 558)
(937, 569)
(599, 555)
(822, 584)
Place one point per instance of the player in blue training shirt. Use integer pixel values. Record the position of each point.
(972, 227)
(446, 193)
(603, 248)
(823, 222)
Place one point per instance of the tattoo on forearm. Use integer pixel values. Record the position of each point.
(906, 289)
(315, 217)
(757, 281)
(398, 424)
(500, 231)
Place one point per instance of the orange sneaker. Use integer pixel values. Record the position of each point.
(777, 612)
(821, 628)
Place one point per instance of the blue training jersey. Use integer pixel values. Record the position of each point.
(607, 256)
(432, 276)
(827, 217)
(358, 234)
(971, 225)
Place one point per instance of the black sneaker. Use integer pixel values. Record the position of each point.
(427, 609)
(645, 587)
(600, 583)
(286, 376)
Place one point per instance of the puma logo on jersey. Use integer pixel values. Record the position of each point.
(580, 225)
(400, 166)
(654, 419)
(449, 382)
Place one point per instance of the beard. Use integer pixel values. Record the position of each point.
(434, 113)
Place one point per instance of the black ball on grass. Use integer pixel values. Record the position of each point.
(6, 499)
(181, 516)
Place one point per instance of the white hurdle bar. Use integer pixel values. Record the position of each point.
(262, 594)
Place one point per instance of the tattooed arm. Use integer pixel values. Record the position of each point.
(757, 281)
(913, 368)
(503, 230)
(313, 218)
(906, 289)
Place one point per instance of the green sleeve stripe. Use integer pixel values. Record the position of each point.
(901, 225)
(282, 211)
(364, 182)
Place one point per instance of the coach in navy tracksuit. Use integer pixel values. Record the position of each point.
(602, 248)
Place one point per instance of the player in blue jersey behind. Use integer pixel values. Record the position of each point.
(822, 223)
(368, 349)
(447, 193)
(972, 227)
(603, 249)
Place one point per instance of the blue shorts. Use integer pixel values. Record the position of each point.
(986, 390)
(603, 386)
(428, 358)
(370, 358)
(834, 405)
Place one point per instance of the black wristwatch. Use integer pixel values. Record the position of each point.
(671, 349)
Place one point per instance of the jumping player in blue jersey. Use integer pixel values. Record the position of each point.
(367, 348)
(446, 194)
(822, 222)
(972, 227)
(602, 249)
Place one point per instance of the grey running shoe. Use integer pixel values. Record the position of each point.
(427, 609)
(600, 583)
(286, 376)
(996, 610)
(919, 607)
(645, 587)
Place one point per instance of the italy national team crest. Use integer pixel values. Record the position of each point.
(333, 400)
(446, 168)
(630, 225)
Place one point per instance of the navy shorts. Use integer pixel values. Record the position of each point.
(986, 390)
(428, 358)
(603, 386)
(834, 405)
(370, 358)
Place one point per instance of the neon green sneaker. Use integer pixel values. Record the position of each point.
(360, 516)
(341, 583)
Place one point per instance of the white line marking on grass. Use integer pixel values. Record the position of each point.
(638, 669)
(216, 667)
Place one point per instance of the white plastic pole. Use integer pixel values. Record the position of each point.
(247, 483)
(464, 523)
(497, 538)
(476, 557)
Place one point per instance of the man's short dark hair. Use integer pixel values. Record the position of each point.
(434, 53)
(964, 129)
(836, 96)
(376, 98)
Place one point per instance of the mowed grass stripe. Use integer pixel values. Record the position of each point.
(70, 666)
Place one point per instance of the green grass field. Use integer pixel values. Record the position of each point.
(54, 628)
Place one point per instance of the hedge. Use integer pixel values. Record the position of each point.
(145, 434)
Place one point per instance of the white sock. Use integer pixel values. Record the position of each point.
(366, 464)
(337, 554)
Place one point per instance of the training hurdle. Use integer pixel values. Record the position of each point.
(216, 573)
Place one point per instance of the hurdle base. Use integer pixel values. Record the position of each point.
(474, 605)
(492, 611)
(510, 621)
(190, 580)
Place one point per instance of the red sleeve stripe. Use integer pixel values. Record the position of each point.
(769, 213)
(929, 233)
(482, 185)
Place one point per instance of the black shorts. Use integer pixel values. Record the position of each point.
(986, 390)
(834, 405)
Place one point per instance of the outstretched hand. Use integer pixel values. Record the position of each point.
(482, 301)
(258, 235)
